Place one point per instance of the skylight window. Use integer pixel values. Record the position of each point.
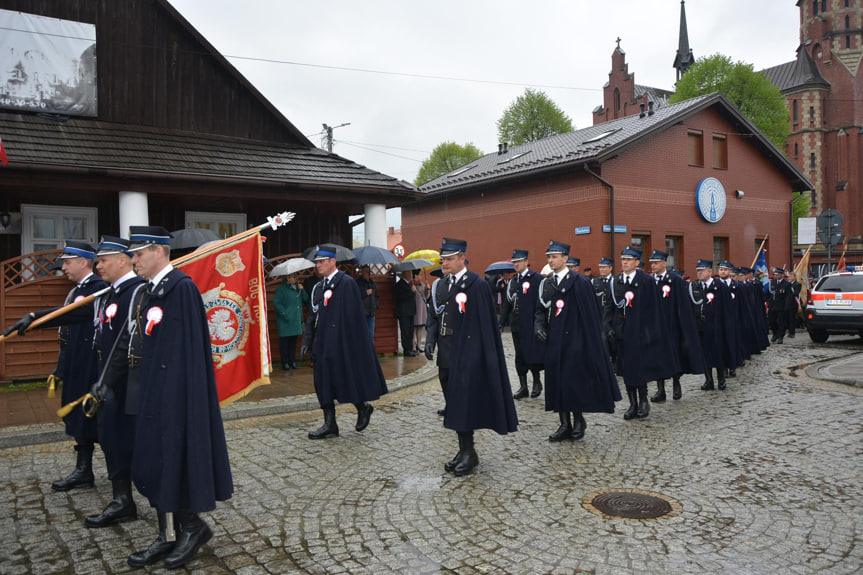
(601, 136)
(460, 171)
(513, 157)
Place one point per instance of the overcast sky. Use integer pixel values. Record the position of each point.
(402, 107)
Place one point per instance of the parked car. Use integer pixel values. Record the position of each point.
(835, 305)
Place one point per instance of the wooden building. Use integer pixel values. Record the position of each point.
(172, 134)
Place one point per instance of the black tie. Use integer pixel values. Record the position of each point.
(627, 280)
(326, 283)
(556, 279)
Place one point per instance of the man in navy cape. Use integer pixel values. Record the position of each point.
(180, 459)
(463, 325)
(633, 321)
(517, 310)
(733, 317)
(346, 366)
(579, 378)
(709, 298)
(78, 362)
(686, 354)
(756, 309)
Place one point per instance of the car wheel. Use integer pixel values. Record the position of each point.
(818, 335)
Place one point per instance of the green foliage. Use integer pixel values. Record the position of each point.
(445, 158)
(751, 92)
(531, 117)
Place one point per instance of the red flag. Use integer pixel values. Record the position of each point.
(3, 159)
(230, 276)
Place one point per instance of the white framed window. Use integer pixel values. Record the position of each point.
(48, 227)
(226, 225)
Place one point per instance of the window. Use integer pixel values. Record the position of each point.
(641, 242)
(795, 112)
(824, 5)
(847, 22)
(815, 7)
(720, 250)
(696, 148)
(226, 225)
(674, 249)
(604, 134)
(812, 161)
(796, 151)
(811, 115)
(48, 227)
(720, 152)
(847, 41)
(617, 100)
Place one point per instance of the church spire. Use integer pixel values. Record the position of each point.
(684, 58)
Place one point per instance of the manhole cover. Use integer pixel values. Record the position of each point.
(631, 504)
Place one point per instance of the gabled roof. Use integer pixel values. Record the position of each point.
(32, 142)
(799, 73)
(598, 143)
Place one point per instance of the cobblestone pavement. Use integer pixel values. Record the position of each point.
(767, 475)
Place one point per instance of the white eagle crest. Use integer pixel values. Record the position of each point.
(222, 325)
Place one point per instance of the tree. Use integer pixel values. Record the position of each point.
(531, 117)
(751, 92)
(445, 158)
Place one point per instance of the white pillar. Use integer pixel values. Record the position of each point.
(133, 211)
(376, 225)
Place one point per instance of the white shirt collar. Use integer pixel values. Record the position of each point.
(159, 276)
(129, 275)
(459, 275)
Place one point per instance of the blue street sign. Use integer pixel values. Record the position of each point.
(582, 230)
(617, 229)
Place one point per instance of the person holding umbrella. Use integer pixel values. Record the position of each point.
(288, 301)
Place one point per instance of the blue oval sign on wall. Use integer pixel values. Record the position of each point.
(710, 199)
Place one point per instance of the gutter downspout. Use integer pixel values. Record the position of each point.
(610, 207)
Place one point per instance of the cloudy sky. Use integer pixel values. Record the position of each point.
(408, 75)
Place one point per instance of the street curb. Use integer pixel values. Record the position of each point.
(25, 435)
(823, 370)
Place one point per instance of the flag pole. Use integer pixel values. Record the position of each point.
(758, 253)
(273, 222)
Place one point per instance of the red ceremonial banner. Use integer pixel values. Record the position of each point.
(230, 276)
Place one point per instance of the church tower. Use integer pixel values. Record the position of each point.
(684, 58)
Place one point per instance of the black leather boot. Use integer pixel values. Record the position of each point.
(677, 392)
(192, 533)
(537, 385)
(659, 396)
(708, 379)
(83, 474)
(157, 549)
(121, 509)
(469, 458)
(721, 372)
(450, 465)
(732, 373)
(364, 415)
(579, 425)
(565, 429)
(643, 405)
(329, 428)
(631, 394)
(522, 389)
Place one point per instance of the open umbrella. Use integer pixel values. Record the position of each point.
(374, 255)
(291, 266)
(430, 255)
(503, 267)
(416, 264)
(343, 254)
(190, 238)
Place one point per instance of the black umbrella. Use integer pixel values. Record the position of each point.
(374, 255)
(192, 238)
(412, 265)
(500, 268)
(343, 254)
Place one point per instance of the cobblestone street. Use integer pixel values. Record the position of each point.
(767, 475)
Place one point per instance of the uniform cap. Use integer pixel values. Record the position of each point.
(518, 255)
(630, 252)
(74, 249)
(142, 236)
(603, 261)
(452, 246)
(658, 256)
(704, 264)
(112, 245)
(573, 262)
(555, 247)
(325, 252)
(726, 264)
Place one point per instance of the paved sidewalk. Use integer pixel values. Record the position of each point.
(765, 477)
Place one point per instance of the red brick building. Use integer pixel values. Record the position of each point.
(639, 174)
(823, 88)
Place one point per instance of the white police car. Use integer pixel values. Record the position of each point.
(835, 305)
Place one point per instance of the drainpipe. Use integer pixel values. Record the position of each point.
(587, 169)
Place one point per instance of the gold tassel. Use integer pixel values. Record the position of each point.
(52, 380)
